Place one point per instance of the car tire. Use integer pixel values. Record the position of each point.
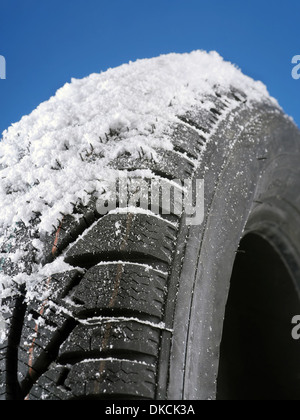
(141, 314)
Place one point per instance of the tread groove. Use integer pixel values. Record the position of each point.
(88, 261)
(78, 357)
(193, 124)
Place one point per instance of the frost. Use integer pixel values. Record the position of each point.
(2, 328)
(108, 320)
(111, 359)
(139, 210)
(145, 266)
(118, 229)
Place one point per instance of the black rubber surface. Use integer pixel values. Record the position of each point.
(141, 314)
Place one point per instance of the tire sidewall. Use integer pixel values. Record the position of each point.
(243, 173)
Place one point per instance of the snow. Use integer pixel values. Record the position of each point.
(140, 210)
(111, 359)
(61, 133)
(108, 320)
(47, 160)
(145, 266)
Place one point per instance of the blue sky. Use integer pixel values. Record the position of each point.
(46, 42)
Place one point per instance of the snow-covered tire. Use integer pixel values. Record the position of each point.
(141, 314)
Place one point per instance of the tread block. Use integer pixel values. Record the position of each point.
(112, 337)
(203, 121)
(124, 234)
(168, 164)
(119, 287)
(188, 140)
(49, 386)
(45, 324)
(112, 377)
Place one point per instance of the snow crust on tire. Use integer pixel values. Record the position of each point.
(55, 159)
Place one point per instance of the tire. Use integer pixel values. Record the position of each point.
(141, 315)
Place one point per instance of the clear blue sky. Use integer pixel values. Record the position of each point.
(46, 42)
